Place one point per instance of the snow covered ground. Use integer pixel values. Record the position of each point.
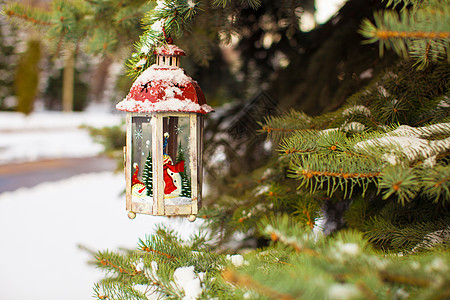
(41, 228)
(50, 135)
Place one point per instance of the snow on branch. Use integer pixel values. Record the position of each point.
(421, 132)
(409, 143)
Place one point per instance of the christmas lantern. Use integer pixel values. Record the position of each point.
(163, 153)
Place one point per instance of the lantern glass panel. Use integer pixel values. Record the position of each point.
(176, 160)
(141, 162)
(172, 158)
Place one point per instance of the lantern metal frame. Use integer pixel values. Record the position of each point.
(158, 207)
(161, 92)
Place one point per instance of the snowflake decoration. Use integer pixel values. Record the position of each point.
(179, 129)
(138, 134)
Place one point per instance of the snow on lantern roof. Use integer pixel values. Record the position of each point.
(170, 50)
(164, 88)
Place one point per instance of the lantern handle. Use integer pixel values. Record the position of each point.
(168, 39)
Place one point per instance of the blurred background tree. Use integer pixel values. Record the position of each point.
(102, 28)
(27, 77)
(8, 62)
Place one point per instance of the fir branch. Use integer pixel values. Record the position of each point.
(107, 263)
(401, 182)
(167, 19)
(285, 230)
(343, 265)
(276, 236)
(433, 239)
(403, 279)
(278, 127)
(386, 34)
(248, 282)
(366, 291)
(255, 4)
(147, 249)
(404, 3)
(24, 16)
(391, 232)
(341, 172)
(422, 33)
(117, 290)
(302, 142)
(355, 216)
(271, 129)
(310, 174)
(436, 183)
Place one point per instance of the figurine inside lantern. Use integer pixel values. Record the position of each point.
(163, 153)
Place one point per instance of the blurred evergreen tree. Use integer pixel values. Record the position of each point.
(53, 92)
(98, 27)
(8, 62)
(27, 77)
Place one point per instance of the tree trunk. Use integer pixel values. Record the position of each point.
(68, 81)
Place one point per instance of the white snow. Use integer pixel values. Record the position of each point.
(167, 73)
(41, 227)
(145, 49)
(237, 260)
(50, 135)
(168, 77)
(356, 109)
(170, 104)
(344, 292)
(426, 131)
(157, 26)
(170, 50)
(161, 5)
(191, 4)
(411, 147)
(353, 126)
(154, 266)
(350, 249)
(367, 74)
(188, 282)
(141, 62)
(56, 120)
(327, 8)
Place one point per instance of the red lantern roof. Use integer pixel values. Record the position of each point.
(165, 88)
(170, 50)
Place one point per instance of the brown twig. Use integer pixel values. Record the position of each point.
(147, 249)
(386, 34)
(396, 278)
(310, 174)
(11, 13)
(248, 282)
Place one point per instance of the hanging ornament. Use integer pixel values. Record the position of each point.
(163, 153)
